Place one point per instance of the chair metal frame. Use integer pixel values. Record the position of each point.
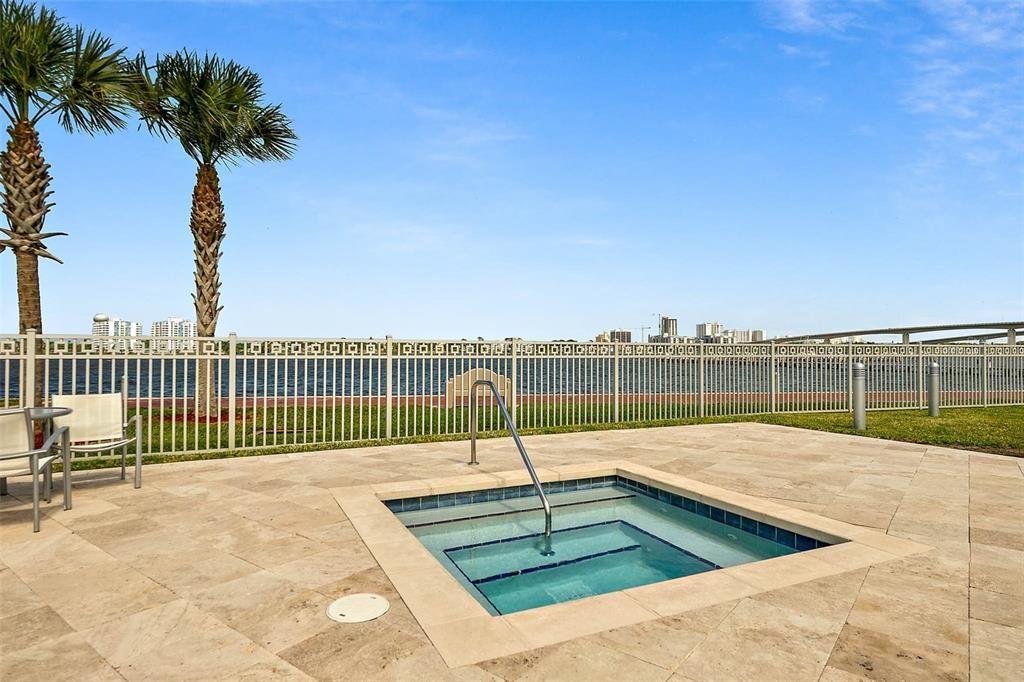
(41, 462)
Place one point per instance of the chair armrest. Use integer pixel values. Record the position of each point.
(51, 441)
(18, 455)
(46, 447)
(131, 420)
(54, 437)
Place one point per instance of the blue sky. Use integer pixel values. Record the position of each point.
(549, 171)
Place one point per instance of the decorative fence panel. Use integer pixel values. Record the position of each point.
(230, 392)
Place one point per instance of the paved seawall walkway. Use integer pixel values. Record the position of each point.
(222, 569)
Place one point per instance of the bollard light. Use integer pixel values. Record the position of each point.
(860, 421)
(933, 389)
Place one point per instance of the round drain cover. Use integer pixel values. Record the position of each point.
(358, 608)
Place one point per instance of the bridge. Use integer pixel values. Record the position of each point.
(1007, 330)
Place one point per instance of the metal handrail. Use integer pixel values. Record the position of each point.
(519, 445)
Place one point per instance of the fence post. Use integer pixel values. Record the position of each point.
(701, 380)
(615, 382)
(514, 377)
(388, 390)
(859, 412)
(774, 382)
(849, 375)
(920, 375)
(984, 375)
(232, 378)
(124, 391)
(28, 383)
(933, 389)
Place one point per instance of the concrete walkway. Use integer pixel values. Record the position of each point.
(223, 569)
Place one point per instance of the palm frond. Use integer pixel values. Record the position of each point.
(268, 137)
(96, 96)
(47, 66)
(145, 96)
(214, 108)
(34, 54)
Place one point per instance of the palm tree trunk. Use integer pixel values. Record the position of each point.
(26, 178)
(208, 228)
(30, 314)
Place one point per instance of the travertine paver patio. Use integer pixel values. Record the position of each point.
(223, 569)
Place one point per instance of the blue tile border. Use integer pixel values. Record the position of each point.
(738, 521)
(495, 494)
(423, 524)
(732, 519)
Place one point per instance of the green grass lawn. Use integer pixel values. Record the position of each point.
(992, 429)
(988, 429)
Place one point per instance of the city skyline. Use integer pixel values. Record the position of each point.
(798, 167)
(667, 331)
(105, 321)
(104, 324)
(668, 327)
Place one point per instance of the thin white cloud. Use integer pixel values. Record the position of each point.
(813, 16)
(361, 18)
(942, 87)
(969, 79)
(456, 135)
(967, 69)
(816, 56)
(997, 24)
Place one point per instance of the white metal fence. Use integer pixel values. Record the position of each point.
(283, 392)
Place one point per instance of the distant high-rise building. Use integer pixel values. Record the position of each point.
(620, 336)
(603, 338)
(125, 328)
(178, 330)
(100, 325)
(745, 335)
(738, 335)
(665, 338)
(712, 332)
(104, 325)
(174, 326)
(709, 329)
(669, 326)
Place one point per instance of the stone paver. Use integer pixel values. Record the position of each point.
(222, 569)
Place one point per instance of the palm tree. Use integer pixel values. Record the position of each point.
(214, 108)
(47, 67)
